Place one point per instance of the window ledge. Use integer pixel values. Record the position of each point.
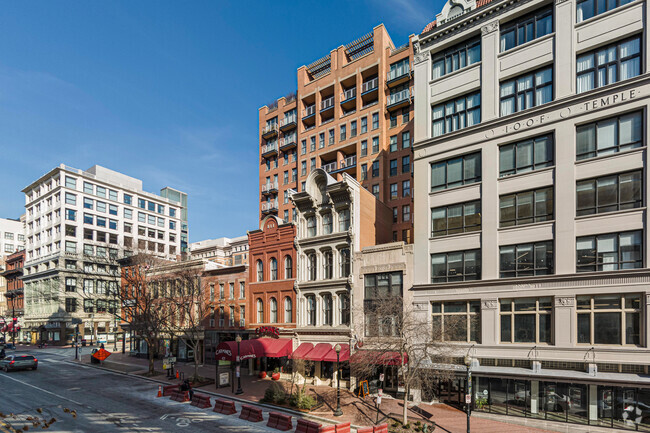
(456, 72)
(454, 188)
(550, 222)
(606, 14)
(526, 173)
(610, 155)
(526, 45)
(456, 235)
(611, 213)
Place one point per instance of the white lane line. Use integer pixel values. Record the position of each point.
(41, 389)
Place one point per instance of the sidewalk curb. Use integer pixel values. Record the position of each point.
(237, 399)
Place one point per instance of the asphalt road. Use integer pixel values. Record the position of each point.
(102, 401)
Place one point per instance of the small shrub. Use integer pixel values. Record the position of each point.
(395, 424)
(274, 393)
(417, 423)
(406, 426)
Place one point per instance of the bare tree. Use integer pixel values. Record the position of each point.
(397, 334)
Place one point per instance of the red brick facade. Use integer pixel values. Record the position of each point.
(15, 295)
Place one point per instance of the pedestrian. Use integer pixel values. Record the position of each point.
(186, 386)
(2, 353)
(101, 346)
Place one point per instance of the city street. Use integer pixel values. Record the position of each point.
(103, 401)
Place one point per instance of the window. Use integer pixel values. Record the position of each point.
(101, 221)
(526, 29)
(328, 264)
(70, 198)
(212, 292)
(101, 206)
(274, 268)
(395, 219)
(526, 320)
(311, 226)
(609, 193)
(406, 188)
(112, 209)
(311, 266)
(526, 207)
(70, 305)
(456, 57)
(70, 230)
(260, 271)
(142, 204)
(375, 144)
(70, 247)
(151, 219)
(88, 203)
(353, 128)
(327, 223)
(260, 311)
(393, 191)
(527, 155)
(273, 304)
(327, 309)
(303, 168)
(71, 215)
(88, 219)
(364, 125)
(378, 287)
(455, 172)
(375, 191)
(288, 310)
(457, 114)
(405, 115)
(344, 220)
(101, 191)
(364, 171)
(343, 133)
(70, 284)
(321, 140)
(456, 266)
(609, 136)
(456, 321)
(344, 309)
(312, 164)
(311, 310)
(526, 259)
(364, 147)
(458, 218)
(112, 224)
(526, 91)
(345, 262)
(375, 168)
(375, 120)
(172, 225)
(288, 267)
(590, 8)
(89, 188)
(609, 252)
(393, 143)
(112, 195)
(312, 144)
(128, 199)
(89, 286)
(406, 140)
(70, 182)
(242, 290)
(406, 164)
(151, 206)
(393, 167)
(406, 213)
(609, 319)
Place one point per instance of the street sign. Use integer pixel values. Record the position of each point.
(468, 398)
(170, 360)
(102, 354)
(378, 400)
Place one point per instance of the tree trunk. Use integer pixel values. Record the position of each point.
(406, 400)
(151, 365)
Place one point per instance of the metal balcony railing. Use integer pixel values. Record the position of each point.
(270, 187)
(327, 103)
(403, 69)
(273, 127)
(309, 111)
(349, 161)
(288, 120)
(369, 85)
(285, 141)
(330, 167)
(398, 97)
(349, 94)
(271, 147)
(269, 206)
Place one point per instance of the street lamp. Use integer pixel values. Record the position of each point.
(468, 387)
(338, 411)
(238, 371)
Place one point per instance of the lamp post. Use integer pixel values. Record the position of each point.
(238, 371)
(338, 411)
(468, 388)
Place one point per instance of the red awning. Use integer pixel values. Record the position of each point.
(377, 357)
(344, 355)
(301, 351)
(257, 348)
(318, 352)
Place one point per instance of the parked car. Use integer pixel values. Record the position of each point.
(19, 362)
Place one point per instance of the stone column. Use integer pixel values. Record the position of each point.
(593, 402)
(564, 320)
(646, 312)
(534, 396)
(564, 48)
(489, 71)
(489, 321)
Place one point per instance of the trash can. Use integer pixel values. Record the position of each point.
(93, 360)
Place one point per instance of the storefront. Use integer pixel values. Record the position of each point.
(386, 363)
(320, 363)
(262, 354)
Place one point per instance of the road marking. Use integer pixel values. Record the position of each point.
(41, 389)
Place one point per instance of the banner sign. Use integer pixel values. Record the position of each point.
(268, 331)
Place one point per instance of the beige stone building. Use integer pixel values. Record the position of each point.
(531, 193)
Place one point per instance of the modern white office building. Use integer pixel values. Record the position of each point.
(78, 224)
(12, 236)
(531, 192)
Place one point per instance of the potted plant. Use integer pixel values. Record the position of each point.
(262, 374)
(276, 374)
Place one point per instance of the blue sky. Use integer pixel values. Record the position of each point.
(165, 91)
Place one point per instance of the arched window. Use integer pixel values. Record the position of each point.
(288, 267)
(344, 309)
(345, 263)
(288, 310)
(327, 223)
(311, 310)
(274, 310)
(260, 311)
(344, 220)
(260, 271)
(311, 266)
(327, 265)
(327, 309)
(274, 268)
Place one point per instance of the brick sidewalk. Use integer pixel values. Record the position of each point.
(356, 410)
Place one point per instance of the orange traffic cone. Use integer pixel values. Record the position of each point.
(159, 391)
(177, 376)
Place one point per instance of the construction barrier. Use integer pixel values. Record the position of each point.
(343, 427)
(381, 428)
(327, 429)
(201, 401)
(365, 430)
(181, 396)
(168, 389)
(250, 413)
(225, 407)
(279, 421)
(305, 426)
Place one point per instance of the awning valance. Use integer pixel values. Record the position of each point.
(318, 352)
(344, 354)
(257, 348)
(301, 351)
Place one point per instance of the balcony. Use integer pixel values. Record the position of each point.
(288, 122)
(349, 99)
(399, 75)
(308, 111)
(270, 188)
(327, 104)
(270, 130)
(270, 206)
(269, 150)
(345, 164)
(330, 167)
(288, 142)
(370, 85)
(398, 100)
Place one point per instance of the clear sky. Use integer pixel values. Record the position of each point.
(165, 91)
